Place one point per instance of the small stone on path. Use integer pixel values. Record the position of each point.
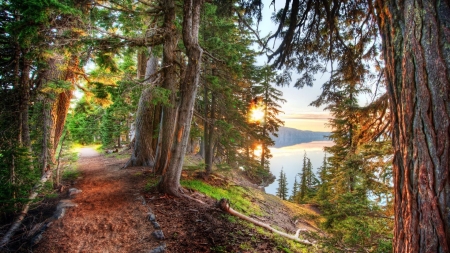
(156, 225)
(161, 248)
(59, 213)
(158, 234)
(66, 203)
(74, 191)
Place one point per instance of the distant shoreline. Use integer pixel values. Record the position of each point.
(291, 136)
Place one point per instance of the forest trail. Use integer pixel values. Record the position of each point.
(110, 216)
(113, 210)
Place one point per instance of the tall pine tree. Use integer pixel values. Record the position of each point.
(282, 190)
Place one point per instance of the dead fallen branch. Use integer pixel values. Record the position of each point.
(225, 206)
(24, 212)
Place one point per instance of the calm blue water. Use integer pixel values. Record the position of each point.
(291, 160)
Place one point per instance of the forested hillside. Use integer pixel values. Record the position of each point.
(172, 79)
(287, 136)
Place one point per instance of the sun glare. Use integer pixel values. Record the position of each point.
(258, 151)
(257, 111)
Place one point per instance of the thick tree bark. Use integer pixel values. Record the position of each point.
(170, 83)
(170, 181)
(49, 116)
(416, 39)
(156, 126)
(142, 154)
(141, 64)
(55, 110)
(60, 110)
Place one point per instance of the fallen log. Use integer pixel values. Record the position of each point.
(18, 221)
(225, 206)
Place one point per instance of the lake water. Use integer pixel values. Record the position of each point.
(291, 160)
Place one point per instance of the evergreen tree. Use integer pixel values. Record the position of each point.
(30, 34)
(84, 122)
(282, 190)
(324, 179)
(295, 190)
(271, 99)
(302, 174)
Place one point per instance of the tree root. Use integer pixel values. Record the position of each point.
(194, 199)
(24, 212)
(225, 206)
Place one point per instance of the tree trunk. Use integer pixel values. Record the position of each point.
(55, 110)
(24, 129)
(141, 64)
(264, 128)
(416, 43)
(170, 181)
(209, 137)
(156, 128)
(60, 110)
(142, 154)
(45, 159)
(58, 168)
(170, 83)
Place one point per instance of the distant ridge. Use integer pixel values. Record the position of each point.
(290, 136)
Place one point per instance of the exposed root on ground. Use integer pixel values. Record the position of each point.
(194, 199)
(225, 206)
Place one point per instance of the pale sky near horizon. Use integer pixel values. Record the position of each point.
(297, 112)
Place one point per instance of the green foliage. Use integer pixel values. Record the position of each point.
(84, 122)
(282, 190)
(295, 190)
(70, 174)
(17, 177)
(271, 99)
(35, 15)
(236, 195)
(161, 96)
(355, 222)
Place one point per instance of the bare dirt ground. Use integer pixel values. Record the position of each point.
(113, 216)
(109, 217)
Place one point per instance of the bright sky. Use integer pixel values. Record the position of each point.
(297, 112)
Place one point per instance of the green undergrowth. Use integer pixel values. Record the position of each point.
(117, 155)
(237, 195)
(71, 174)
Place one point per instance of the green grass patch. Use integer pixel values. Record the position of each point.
(52, 195)
(231, 218)
(71, 174)
(236, 195)
(200, 166)
(72, 157)
(151, 183)
(117, 155)
(245, 246)
(219, 249)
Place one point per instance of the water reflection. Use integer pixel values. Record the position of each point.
(291, 160)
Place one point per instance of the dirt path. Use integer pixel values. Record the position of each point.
(110, 216)
(113, 216)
